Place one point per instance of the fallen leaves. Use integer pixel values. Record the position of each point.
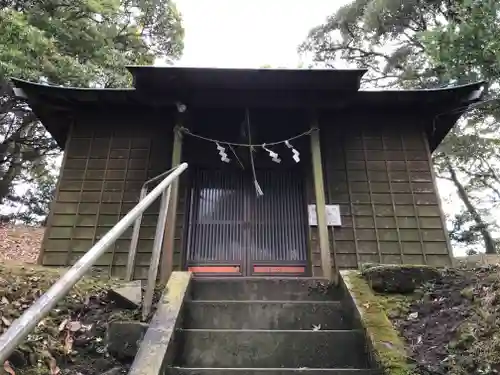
(8, 368)
(68, 343)
(452, 326)
(74, 326)
(413, 315)
(70, 339)
(63, 324)
(52, 364)
(20, 244)
(6, 322)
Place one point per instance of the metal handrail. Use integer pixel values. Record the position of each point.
(129, 273)
(22, 326)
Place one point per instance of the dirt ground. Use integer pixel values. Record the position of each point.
(71, 340)
(20, 244)
(453, 326)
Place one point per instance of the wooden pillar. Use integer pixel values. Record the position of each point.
(319, 190)
(167, 260)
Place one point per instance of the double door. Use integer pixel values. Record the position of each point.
(234, 231)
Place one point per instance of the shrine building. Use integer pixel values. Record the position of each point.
(290, 172)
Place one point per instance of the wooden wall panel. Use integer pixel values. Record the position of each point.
(381, 180)
(108, 159)
(383, 183)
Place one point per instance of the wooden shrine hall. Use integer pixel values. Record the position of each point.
(291, 172)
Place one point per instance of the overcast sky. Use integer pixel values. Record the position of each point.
(249, 34)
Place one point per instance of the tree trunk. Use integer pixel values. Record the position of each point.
(13, 171)
(489, 242)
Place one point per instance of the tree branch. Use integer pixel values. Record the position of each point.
(489, 243)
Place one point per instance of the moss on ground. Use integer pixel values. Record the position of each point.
(71, 339)
(453, 326)
(449, 326)
(389, 348)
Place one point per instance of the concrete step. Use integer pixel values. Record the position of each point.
(270, 371)
(263, 288)
(262, 315)
(272, 349)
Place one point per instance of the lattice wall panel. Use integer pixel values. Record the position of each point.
(388, 202)
(104, 170)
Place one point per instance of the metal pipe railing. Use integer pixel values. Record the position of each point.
(132, 252)
(22, 326)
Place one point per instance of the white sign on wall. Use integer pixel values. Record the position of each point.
(332, 215)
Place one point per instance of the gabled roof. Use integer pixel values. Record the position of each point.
(255, 88)
(160, 78)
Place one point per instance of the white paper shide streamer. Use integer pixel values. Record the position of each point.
(222, 153)
(295, 153)
(252, 147)
(274, 156)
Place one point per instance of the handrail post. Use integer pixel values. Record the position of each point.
(135, 240)
(156, 253)
(132, 252)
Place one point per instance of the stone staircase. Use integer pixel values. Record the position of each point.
(264, 326)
